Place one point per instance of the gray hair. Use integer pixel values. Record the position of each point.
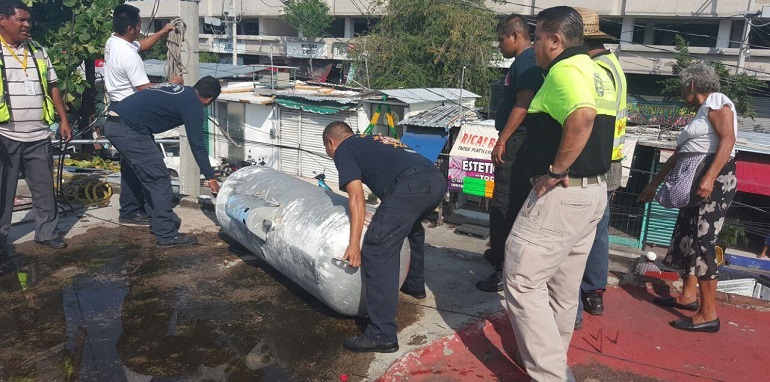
(703, 77)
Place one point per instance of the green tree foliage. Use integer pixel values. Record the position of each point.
(73, 31)
(737, 87)
(426, 43)
(309, 17)
(209, 57)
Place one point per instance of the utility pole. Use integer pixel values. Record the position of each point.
(189, 173)
(234, 29)
(744, 51)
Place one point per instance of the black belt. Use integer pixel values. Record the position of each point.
(114, 118)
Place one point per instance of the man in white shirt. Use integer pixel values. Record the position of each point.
(124, 75)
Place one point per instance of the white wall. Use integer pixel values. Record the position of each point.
(665, 8)
(259, 123)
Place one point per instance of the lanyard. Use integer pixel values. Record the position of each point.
(13, 53)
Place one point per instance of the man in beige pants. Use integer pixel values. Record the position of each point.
(572, 118)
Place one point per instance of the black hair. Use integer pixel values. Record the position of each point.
(208, 87)
(594, 43)
(565, 21)
(336, 130)
(8, 7)
(514, 23)
(123, 17)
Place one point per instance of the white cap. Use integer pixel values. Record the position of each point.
(651, 256)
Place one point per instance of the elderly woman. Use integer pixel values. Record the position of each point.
(709, 139)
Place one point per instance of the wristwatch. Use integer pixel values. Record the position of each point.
(555, 175)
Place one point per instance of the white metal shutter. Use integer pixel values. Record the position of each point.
(289, 135)
(313, 156)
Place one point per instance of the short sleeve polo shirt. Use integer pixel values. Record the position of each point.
(574, 81)
(26, 124)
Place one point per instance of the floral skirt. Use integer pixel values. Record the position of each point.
(692, 248)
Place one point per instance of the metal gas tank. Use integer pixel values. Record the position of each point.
(299, 229)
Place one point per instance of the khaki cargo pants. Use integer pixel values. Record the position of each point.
(545, 256)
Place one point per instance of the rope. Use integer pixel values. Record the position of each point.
(174, 65)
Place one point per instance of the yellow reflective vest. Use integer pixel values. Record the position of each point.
(610, 63)
(41, 65)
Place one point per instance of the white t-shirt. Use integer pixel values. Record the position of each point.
(699, 136)
(123, 68)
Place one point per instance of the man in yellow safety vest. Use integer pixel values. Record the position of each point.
(29, 101)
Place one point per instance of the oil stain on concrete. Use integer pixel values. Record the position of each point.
(114, 307)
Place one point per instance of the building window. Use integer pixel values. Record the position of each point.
(158, 24)
(758, 38)
(695, 33)
(362, 26)
(611, 27)
(249, 27)
(337, 29)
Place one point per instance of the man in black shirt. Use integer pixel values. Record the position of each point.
(410, 188)
(522, 82)
(155, 110)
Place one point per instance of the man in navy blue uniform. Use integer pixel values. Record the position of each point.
(410, 188)
(511, 187)
(155, 110)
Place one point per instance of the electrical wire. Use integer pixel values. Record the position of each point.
(154, 12)
(631, 42)
(698, 56)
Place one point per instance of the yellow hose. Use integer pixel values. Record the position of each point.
(90, 190)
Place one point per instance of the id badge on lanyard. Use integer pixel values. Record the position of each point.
(29, 87)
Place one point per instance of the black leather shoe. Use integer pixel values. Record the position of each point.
(687, 325)
(593, 302)
(670, 302)
(138, 219)
(55, 243)
(180, 240)
(414, 293)
(493, 283)
(361, 344)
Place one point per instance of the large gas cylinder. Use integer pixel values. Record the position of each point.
(298, 228)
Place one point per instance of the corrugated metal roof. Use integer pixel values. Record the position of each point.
(419, 95)
(157, 68)
(748, 141)
(245, 97)
(339, 97)
(441, 117)
(752, 141)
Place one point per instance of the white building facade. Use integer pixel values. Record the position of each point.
(714, 29)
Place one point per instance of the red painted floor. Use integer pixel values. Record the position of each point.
(631, 341)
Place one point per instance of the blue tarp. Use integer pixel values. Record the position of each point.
(428, 142)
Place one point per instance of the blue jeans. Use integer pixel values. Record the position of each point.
(597, 265)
